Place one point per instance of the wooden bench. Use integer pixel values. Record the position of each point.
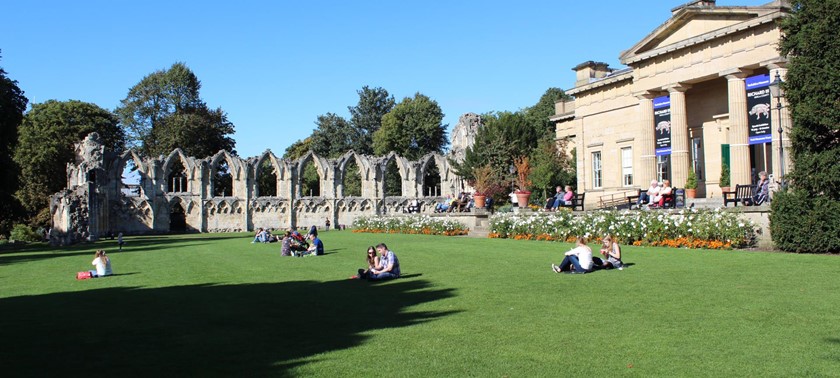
(612, 200)
(742, 193)
(577, 202)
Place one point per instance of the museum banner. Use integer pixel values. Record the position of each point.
(758, 105)
(662, 124)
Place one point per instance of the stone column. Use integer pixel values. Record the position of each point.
(679, 136)
(739, 148)
(786, 123)
(646, 146)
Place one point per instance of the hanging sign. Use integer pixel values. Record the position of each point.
(662, 125)
(758, 108)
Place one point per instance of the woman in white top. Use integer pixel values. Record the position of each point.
(577, 260)
(102, 264)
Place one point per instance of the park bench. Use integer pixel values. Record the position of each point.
(577, 202)
(612, 200)
(634, 199)
(742, 193)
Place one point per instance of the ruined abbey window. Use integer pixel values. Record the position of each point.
(393, 180)
(310, 181)
(431, 179)
(266, 179)
(222, 180)
(130, 180)
(352, 179)
(176, 180)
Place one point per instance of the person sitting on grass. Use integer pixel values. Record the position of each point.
(389, 265)
(372, 262)
(102, 264)
(261, 236)
(298, 243)
(286, 244)
(612, 252)
(577, 260)
(317, 247)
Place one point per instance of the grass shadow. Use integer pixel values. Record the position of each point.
(202, 330)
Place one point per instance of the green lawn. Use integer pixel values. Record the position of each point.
(214, 304)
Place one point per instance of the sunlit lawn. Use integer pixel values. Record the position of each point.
(214, 304)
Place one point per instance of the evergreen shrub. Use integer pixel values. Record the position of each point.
(803, 223)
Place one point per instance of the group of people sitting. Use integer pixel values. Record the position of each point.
(462, 203)
(295, 244)
(383, 266)
(580, 260)
(264, 236)
(657, 195)
(562, 197)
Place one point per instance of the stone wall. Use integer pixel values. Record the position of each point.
(176, 192)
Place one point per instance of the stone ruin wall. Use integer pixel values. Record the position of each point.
(94, 203)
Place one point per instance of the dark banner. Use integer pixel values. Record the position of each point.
(662, 124)
(758, 106)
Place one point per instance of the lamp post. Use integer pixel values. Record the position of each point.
(778, 93)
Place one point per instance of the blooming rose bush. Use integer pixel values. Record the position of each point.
(410, 224)
(692, 228)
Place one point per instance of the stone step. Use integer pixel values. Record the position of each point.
(479, 233)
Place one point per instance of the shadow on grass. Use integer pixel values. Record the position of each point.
(39, 251)
(254, 329)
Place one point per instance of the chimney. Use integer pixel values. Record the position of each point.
(590, 71)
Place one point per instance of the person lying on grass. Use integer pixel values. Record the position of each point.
(577, 260)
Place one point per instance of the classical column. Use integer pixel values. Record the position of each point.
(646, 146)
(679, 135)
(786, 123)
(739, 148)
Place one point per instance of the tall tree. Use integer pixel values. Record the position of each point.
(165, 110)
(412, 129)
(334, 136)
(539, 114)
(12, 105)
(504, 136)
(45, 146)
(366, 116)
(807, 218)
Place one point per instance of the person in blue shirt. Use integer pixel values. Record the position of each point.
(316, 248)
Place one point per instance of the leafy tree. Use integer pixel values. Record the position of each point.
(505, 135)
(164, 110)
(412, 129)
(12, 106)
(539, 114)
(551, 166)
(806, 218)
(298, 149)
(334, 136)
(366, 116)
(45, 146)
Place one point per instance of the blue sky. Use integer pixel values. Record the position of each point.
(274, 66)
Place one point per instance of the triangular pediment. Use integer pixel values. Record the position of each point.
(690, 23)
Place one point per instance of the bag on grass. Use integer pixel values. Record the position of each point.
(83, 275)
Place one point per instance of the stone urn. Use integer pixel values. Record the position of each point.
(480, 201)
(522, 198)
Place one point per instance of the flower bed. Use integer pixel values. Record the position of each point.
(688, 228)
(413, 224)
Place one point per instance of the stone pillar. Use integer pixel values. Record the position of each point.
(739, 148)
(646, 146)
(680, 163)
(786, 123)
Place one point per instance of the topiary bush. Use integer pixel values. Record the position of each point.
(22, 232)
(803, 223)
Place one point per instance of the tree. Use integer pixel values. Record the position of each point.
(298, 149)
(807, 218)
(505, 135)
(552, 165)
(45, 146)
(334, 136)
(412, 129)
(366, 116)
(12, 106)
(539, 114)
(164, 111)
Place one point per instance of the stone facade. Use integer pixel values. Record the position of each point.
(176, 192)
(700, 58)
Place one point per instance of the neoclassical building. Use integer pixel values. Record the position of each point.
(694, 95)
(180, 193)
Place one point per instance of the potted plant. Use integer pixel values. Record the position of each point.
(483, 182)
(691, 184)
(523, 170)
(724, 178)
